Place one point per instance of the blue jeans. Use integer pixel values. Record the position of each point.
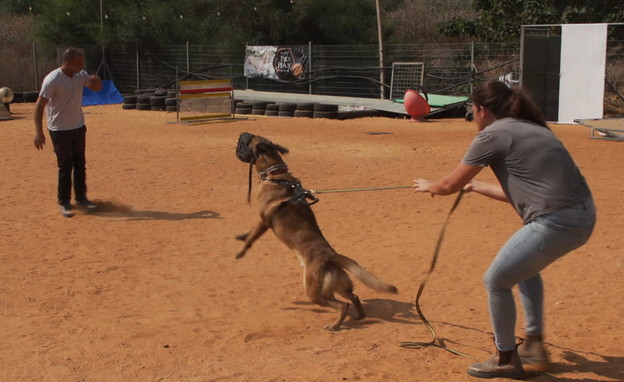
(520, 261)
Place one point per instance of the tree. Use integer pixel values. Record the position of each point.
(500, 20)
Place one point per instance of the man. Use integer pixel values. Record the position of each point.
(61, 96)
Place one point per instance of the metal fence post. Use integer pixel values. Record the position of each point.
(34, 46)
(309, 67)
(138, 68)
(188, 60)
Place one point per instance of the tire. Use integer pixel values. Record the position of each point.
(242, 111)
(271, 113)
(31, 96)
(305, 106)
(272, 106)
(285, 113)
(171, 108)
(304, 113)
(325, 107)
(260, 104)
(171, 102)
(143, 106)
(18, 97)
(160, 92)
(158, 101)
(130, 99)
(244, 105)
(172, 94)
(287, 107)
(258, 111)
(138, 92)
(143, 99)
(129, 106)
(325, 114)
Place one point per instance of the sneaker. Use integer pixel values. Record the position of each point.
(87, 204)
(533, 353)
(66, 210)
(492, 368)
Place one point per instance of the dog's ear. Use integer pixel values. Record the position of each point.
(281, 149)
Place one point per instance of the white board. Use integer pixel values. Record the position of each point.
(583, 61)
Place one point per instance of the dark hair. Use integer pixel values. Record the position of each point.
(70, 53)
(504, 102)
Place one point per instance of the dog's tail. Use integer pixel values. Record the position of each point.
(369, 279)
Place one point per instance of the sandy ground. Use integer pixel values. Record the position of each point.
(148, 289)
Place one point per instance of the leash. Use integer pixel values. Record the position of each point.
(358, 189)
(435, 341)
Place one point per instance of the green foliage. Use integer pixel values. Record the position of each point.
(500, 20)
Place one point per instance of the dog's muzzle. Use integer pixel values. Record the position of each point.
(243, 151)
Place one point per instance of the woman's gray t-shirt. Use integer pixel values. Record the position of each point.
(535, 170)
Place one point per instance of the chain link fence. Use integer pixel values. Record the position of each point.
(342, 70)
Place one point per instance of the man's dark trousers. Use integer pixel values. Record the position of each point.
(69, 147)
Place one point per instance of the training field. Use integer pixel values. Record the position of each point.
(148, 288)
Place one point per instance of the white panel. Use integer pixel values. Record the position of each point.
(583, 60)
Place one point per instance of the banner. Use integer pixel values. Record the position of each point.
(281, 63)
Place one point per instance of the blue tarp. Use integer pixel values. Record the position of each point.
(108, 95)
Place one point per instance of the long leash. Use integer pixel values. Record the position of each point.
(358, 189)
(435, 341)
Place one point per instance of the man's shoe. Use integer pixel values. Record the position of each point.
(497, 368)
(87, 204)
(66, 210)
(533, 353)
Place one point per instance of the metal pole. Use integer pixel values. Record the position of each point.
(102, 40)
(309, 66)
(188, 60)
(382, 76)
(36, 68)
(472, 65)
(138, 70)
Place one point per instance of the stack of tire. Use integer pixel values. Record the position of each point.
(242, 107)
(272, 110)
(171, 102)
(143, 99)
(305, 109)
(157, 101)
(130, 102)
(322, 110)
(286, 109)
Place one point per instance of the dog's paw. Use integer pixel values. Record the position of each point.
(332, 328)
(242, 236)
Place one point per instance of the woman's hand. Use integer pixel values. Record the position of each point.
(421, 185)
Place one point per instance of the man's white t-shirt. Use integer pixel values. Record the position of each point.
(64, 95)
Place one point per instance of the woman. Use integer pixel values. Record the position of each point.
(538, 177)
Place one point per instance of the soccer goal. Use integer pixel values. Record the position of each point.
(405, 76)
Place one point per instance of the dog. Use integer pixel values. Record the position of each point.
(285, 209)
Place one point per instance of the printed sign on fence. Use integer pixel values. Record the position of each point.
(282, 63)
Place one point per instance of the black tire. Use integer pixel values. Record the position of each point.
(128, 106)
(171, 102)
(260, 104)
(272, 106)
(18, 97)
(305, 106)
(244, 105)
(304, 113)
(258, 111)
(143, 99)
(271, 113)
(31, 96)
(143, 106)
(285, 113)
(160, 93)
(287, 107)
(325, 114)
(172, 94)
(325, 107)
(158, 101)
(242, 111)
(171, 108)
(130, 99)
(139, 92)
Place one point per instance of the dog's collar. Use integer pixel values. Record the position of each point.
(275, 169)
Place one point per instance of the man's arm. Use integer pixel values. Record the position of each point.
(38, 116)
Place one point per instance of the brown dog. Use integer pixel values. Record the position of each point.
(284, 208)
